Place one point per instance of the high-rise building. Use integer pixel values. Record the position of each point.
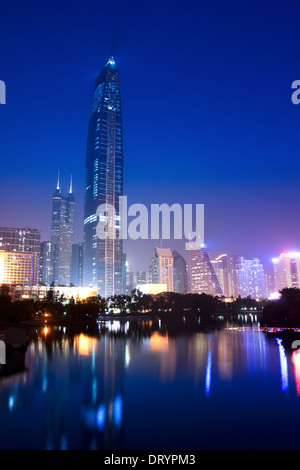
(141, 277)
(129, 280)
(233, 266)
(18, 268)
(77, 265)
(203, 279)
(22, 240)
(162, 268)
(246, 278)
(104, 184)
(220, 265)
(62, 234)
(269, 282)
(124, 269)
(46, 267)
(180, 273)
(149, 275)
(286, 268)
(251, 279)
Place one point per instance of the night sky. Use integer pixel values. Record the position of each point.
(207, 113)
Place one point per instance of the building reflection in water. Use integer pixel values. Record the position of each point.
(296, 362)
(208, 373)
(283, 366)
(72, 384)
(166, 349)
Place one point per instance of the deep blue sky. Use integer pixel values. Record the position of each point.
(207, 112)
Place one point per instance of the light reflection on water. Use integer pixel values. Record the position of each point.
(150, 385)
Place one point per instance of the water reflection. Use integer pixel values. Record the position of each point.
(283, 366)
(208, 373)
(97, 387)
(296, 362)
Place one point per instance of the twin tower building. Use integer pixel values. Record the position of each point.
(101, 258)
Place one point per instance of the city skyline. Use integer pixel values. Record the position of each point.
(149, 227)
(244, 172)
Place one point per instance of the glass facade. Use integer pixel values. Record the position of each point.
(162, 268)
(286, 270)
(77, 265)
(180, 274)
(202, 273)
(46, 274)
(104, 184)
(62, 235)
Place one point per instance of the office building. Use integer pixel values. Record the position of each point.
(221, 267)
(286, 269)
(77, 265)
(62, 234)
(46, 266)
(17, 268)
(246, 278)
(22, 240)
(104, 185)
(203, 279)
(162, 268)
(251, 279)
(141, 277)
(180, 273)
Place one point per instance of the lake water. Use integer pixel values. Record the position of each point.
(151, 386)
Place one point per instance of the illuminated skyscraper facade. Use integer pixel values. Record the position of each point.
(77, 265)
(46, 273)
(246, 278)
(251, 279)
(180, 273)
(220, 265)
(102, 257)
(162, 268)
(18, 268)
(286, 271)
(203, 278)
(62, 235)
(22, 240)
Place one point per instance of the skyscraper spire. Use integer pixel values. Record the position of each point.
(114, 45)
(71, 185)
(58, 187)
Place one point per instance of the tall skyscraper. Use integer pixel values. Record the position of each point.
(104, 184)
(203, 278)
(246, 278)
(62, 234)
(46, 268)
(286, 269)
(124, 271)
(233, 266)
(251, 279)
(77, 265)
(269, 282)
(180, 273)
(220, 265)
(162, 268)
